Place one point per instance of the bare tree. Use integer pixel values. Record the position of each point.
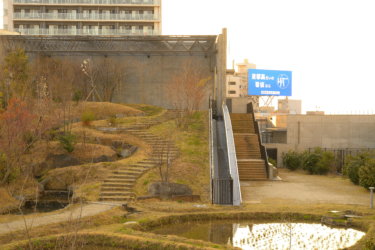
(111, 75)
(164, 161)
(187, 90)
(104, 77)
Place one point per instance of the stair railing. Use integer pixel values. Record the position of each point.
(263, 150)
(232, 158)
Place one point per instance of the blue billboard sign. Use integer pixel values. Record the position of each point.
(269, 82)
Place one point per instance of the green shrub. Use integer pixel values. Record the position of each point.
(310, 161)
(366, 174)
(353, 164)
(113, 121)
(326, 163)
(272, 161)
(292, 160)
(77, 96)
(68, 141)
(87, 117)
(318, 161)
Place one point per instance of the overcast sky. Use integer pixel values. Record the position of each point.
(328, 44)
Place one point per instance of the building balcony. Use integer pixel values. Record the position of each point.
(83, 32)
(76, 17)
(88, 2)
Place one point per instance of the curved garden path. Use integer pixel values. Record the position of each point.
(118, 187)
(56, 217)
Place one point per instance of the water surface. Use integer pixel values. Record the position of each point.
(249, 235)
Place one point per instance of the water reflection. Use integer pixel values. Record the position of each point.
(268, 235)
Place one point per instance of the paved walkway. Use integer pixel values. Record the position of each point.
(300, 188)
(64, 215)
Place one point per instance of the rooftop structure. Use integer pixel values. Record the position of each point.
(83, 17)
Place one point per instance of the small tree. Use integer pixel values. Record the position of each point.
(292, 160)
(15, 76)
(164, 162)
(353, 164)
(16, 124)
(187, 90)
(110, 76)
(366, 174)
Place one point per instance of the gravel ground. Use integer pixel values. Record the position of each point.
(300, 188)
(64, 215)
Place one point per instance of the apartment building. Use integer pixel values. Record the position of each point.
(83, 17)
(237, 81)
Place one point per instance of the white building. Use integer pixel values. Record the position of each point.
(83, 17)
(237, 81)
(290, 106)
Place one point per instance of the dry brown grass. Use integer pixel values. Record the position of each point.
(102, 109)
(7, 201)
(87, 151)
(192, 166)
(86, 178)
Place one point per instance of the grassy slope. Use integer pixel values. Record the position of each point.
(192, 165)
(86, 177)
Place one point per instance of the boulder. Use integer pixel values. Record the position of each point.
(103, 158)
(62, 160)
(166, 189)
(127, 152)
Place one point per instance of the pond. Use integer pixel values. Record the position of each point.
(40, 207)
(250, 235)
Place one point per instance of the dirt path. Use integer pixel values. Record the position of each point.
(64, 215)
(299, 188)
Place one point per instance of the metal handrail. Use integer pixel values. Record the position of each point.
(211, 154)
(263, 151)
(232, 158)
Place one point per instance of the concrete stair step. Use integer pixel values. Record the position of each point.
(127, 173)
(122, 177)
(116, 185)
(139, 167)
(119, 180)
(118, 189)
(112, 198)
(116, 193)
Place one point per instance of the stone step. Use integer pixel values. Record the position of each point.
(118, 189)
(122, 177)
(116, 185)
(128, 173)
(116, 198)
(136, 166)
(116, 193)
(119, 180)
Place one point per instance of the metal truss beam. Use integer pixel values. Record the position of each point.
(148, 45)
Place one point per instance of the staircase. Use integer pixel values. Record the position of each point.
(118, 187)
(251, 166)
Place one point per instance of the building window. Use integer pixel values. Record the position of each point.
(231, 92)
(232, 83)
